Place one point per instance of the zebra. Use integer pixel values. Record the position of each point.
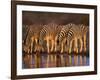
(25, 40)
(49, 33)
(73, 35)
(63, 36)
(77, 32)
(84, 29)
(33, 36)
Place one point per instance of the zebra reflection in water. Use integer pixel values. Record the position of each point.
(54, 60)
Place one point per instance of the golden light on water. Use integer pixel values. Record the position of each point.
(53, 60)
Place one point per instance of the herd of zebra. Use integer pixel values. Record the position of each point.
(54, 37)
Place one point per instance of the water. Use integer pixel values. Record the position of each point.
(54, 60)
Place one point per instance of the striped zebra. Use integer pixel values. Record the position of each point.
(26, 43)
(63, 36)
(33, 36)
(75, 35)
(85, 30)
(49, 34)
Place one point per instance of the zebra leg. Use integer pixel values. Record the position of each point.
(84, 43)
(55, 44)
(35, 46)
(48, 46)
(52, 42)
(67, 45)
(36, 41)
(32, 45)
(70, 46)
(62, 47)
(81, 45)
(75, 44)
(28, 50)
